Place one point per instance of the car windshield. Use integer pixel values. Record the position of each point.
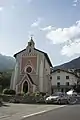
(58, 94)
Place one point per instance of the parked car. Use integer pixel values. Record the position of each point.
(74, 96)
(58, 98)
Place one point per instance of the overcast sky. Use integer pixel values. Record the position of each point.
(55, 25)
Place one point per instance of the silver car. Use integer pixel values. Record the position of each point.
(58, 98)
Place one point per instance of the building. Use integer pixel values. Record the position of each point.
(75, 71)
(63, 80)
(32, 71)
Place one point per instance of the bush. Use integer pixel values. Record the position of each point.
(77, 89)
(9, 92)
(6, 97)
(1, 102)
(37, 94)
(15, 100)
(0, 88)
(26, 94)
(20, 94)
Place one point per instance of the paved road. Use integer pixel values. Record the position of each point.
(71, 112)
(18, 111)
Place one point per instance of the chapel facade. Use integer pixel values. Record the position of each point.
(32, 71)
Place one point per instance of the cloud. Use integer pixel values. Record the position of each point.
(62, 35)
(36, 22)
(1, 8)
(75, 3)
(46, 28)
(68, 37)
(70, 50)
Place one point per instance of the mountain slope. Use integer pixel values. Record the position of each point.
(75, 63)
(6, 62)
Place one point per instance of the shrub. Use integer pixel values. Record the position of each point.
(12, 92)
(9, 92)
(27, 94)
(5, 91)
(20, 94)
(1, 102)
(37, 94)
(0, 88)
(77, 89)
(32, 94)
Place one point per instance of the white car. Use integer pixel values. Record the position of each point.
(51, 98)
(59, 98)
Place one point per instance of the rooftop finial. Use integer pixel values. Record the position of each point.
(31, 37)
(31, 42)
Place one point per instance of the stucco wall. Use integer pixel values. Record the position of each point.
(47, 82)
(72, 79)
(41, 76)
(40, 64)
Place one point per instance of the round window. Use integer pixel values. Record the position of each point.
(29, 69)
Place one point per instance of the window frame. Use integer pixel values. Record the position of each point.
(58, 77)
(58, 71)
(67, 77)
(58, 84)
(67, 84)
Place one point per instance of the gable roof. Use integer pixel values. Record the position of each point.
(45, 54)
(65, 71)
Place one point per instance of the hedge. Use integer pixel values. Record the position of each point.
(9, 92)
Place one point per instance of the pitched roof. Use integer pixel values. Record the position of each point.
(45, 54)
(65, 71)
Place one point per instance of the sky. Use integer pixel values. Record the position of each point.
(54, 25)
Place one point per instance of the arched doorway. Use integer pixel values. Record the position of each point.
(25, 87)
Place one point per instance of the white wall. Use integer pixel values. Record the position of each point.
(72, 79)
(47, 82)
(41, 77)
(47, 67)
(15, 76)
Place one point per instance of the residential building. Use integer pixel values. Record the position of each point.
(63, 80)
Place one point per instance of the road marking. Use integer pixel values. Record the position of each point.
(4, 116)
(44, 111)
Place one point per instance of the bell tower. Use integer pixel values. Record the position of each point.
(31, 43)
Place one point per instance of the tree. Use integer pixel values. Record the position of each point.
(78, 89)
(5, 78)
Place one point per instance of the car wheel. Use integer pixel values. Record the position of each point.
(59, 102)
(67, 102)
(46, 102)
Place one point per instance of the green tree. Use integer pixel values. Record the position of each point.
(5, 78)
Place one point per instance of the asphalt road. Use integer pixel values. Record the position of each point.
(71, 112)
(18, 111)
